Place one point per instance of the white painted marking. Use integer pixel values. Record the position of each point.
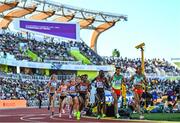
(36, 118)
(11, 115)
(63, 119)
(27, 119)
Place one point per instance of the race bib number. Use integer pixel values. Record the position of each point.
(100, 85)
(137, 80)
(72, 88)
(117, 83)
(83, 88)
(63, 89)
(53, 84)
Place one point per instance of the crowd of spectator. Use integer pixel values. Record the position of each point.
(29, 89)
(156, 66)
(18, 89)
(9, 45)
(162, 87)
(48, 49)
(45, 50)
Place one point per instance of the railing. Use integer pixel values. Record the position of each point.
(25, 77)
(172, 74)
(32, 103)
(63, 62)
(154, 75)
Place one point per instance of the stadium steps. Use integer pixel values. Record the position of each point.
(94, 53)
(78, 56)
(32, 55)
(177, 64)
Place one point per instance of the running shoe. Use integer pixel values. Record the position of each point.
(98, 117)
(78, 115)
(63, 111)
(83, 112)
(48, 107)
(59, 114)
(141, 117)
(51, 116)
(75, 114)
(103, 115)
(117, 116)
(70, 116)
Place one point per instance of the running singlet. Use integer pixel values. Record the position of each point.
(63, 89)
(83, 87)
(117, 81)
(72, 88)
(53, 84)
(100, 83)
(138, 79)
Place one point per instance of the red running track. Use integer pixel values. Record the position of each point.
(43, 115)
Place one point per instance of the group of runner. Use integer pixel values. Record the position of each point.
(76, 92)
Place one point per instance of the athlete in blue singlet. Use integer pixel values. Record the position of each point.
(73, 93)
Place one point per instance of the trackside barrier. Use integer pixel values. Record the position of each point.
(25, 77)
(13, 104)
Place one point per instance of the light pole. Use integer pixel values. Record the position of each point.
(141, 46)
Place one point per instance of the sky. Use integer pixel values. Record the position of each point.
(154, 22)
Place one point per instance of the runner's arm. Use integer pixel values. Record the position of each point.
(93, 82)
(47, 85)
(131, 80)
(130, 83)
(107, 85)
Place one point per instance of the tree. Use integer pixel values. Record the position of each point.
(116, 53)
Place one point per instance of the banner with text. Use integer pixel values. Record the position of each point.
(55, 66)
(54, 29)
(13, 103)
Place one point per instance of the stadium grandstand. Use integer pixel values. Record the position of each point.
(27, 59)
(176, 61)
(26, 46)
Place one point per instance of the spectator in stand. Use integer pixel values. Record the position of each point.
(46, 50)
(152, 66)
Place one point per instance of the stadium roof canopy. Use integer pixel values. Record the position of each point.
(52, 11)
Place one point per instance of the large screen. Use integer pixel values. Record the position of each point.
(64, 30)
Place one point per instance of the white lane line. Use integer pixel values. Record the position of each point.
(26, 117)
(11, 115)
(73, 119)
(36, 118)
(63, 119)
